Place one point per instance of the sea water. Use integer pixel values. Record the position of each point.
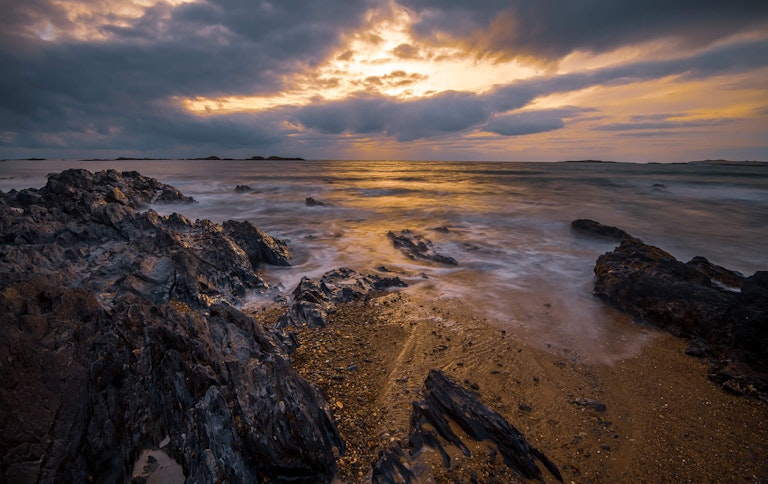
(507, 224)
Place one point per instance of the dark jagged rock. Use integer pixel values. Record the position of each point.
(260, 247)
(314, 301)
(444, 420)
(717, 273)
(243, 189)
(117, 333)
(311, 202)
(84, 390)
(88, 227)
(416, 247)
(596, 229)
(691, 300)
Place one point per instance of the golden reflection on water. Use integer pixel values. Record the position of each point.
(507, 224)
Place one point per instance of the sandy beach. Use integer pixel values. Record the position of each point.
(653, 417)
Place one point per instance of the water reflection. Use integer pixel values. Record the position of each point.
(506, 223)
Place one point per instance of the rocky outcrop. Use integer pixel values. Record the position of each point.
(446, 420)
(118, 334)
(694, 300)
(314, 301)
(90, 229)
(591, 228)
(418, 247)
(260, 247)
(312, 202)
(84, 390)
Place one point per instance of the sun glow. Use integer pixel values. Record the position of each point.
(383, 59)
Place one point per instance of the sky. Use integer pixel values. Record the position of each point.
(544, 80)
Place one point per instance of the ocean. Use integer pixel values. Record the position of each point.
(520, 267)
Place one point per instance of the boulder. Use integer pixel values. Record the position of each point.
(591, 228)
(314, 301)
(694, 300)
(260, 247)
(311, 202)
(418, 247)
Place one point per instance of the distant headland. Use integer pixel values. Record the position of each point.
(206, 158)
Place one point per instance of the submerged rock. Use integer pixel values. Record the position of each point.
(692, 300)
(311, 202)
(445, 420)
(416, 247)
(596, 229)
(314, 301)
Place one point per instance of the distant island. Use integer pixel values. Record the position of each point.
(207, 158)
(587, 161)
(728, 162)
(252, 158)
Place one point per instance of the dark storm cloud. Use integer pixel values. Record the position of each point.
(220, 47)
(448, 112)
(551, 29)
(731, 59)
(452, 112)
(531, 122)
(117, 91)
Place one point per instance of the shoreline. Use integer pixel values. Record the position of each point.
(650, 416)
(131, 319)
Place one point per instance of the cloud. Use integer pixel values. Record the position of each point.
(97, 74)
(661, 125)
(406, 51)
(393, 80)
(453, 112)
(729, 59)
(55, 89)
(530, 122)
(448, 112)
(551, 29)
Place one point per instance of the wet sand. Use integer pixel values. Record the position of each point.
(652, 417)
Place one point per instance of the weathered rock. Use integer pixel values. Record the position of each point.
(117, 334)
(260, 247)
(243, 189)
(596, 229)
(416, 247)
(444, 420)
(716, 273)
(653, 286)
(71, 228)
(314, 301)
(83, 390)
(311, 202)
(691, 300)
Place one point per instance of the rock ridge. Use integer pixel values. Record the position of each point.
(118, 334)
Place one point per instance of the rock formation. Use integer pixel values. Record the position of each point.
(117, 333)
(446, 420)
(416, 247)
(596, 229)
(314, 301)
(697, 300)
